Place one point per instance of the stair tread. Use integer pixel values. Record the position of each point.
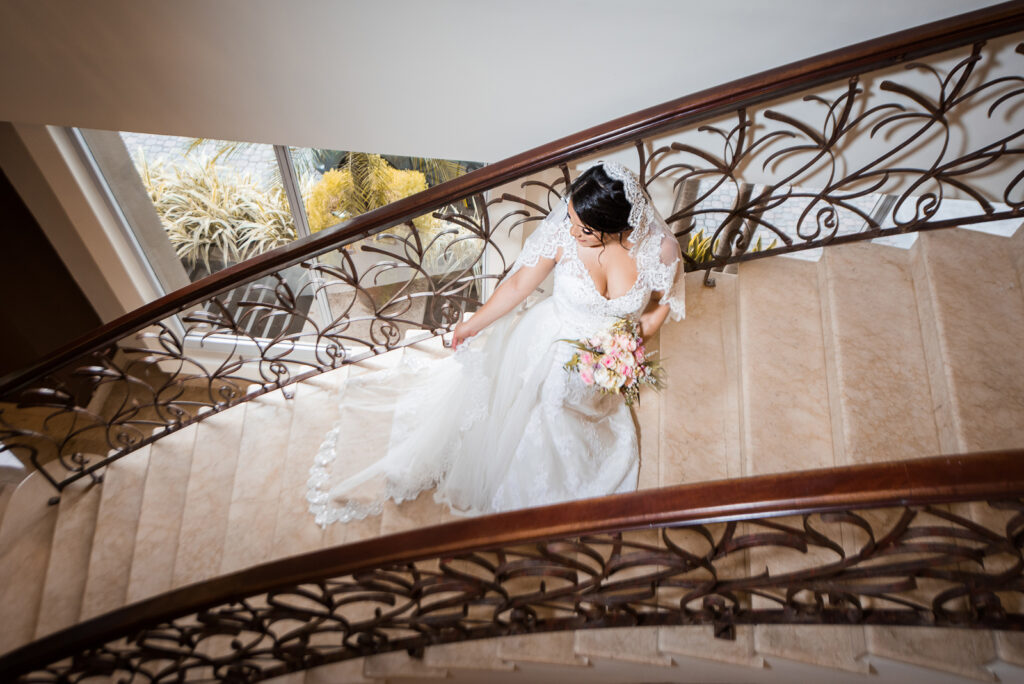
(968, 280)
(255, 493)
(26, 536)
(208, 497)
(68, 566)
(964, 652)
(877, 415)
(786, 421)
(700, 407)
(106, 582)
(700, 642)
(163, 502)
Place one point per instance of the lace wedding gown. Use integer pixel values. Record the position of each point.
(499, 424)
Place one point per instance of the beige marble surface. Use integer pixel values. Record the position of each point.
(838, 647)
(959, 651)
(400, 664)
(25, 539)
(252, 514)
(625, 644)
(1017, 253)
(556, 648)
(700, 412)
(316, 411)
(208, 497)
(978, 309)
(347, 672)
(117, 520)
(699, 641)
(163, 502)
(786, 420)
(882, 382)
(68, 565)
(481, 654)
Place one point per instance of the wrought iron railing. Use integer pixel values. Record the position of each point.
(934, 542)
(831, 149)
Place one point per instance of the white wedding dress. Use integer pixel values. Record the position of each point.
(500, 424)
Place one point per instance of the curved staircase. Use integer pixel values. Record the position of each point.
(873, 353)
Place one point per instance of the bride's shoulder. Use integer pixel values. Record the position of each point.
(659, 249)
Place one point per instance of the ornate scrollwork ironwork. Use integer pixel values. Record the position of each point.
(340, 306)
(920, 565)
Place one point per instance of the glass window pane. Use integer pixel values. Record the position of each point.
(196, 206)
(405, 278)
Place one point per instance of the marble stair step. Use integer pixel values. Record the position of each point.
(316, 411)
(211, 477)
(1017, 253)
(699, 435)
(700, 642)
(117, 520)
(399, 664)
(6, 492)
(879, 392)
(623, 644)
(26, 537)
(347, 671)
(554, 648)
(361, 440)
(783, 386)
(963, 652)
(837, 647)
(971, 302)
(255, 494)
(159, 523)
(479, 654)
(68, 567)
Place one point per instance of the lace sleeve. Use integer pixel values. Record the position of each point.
(667, 277)
(545, 241)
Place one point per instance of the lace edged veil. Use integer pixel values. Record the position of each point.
(654, 246)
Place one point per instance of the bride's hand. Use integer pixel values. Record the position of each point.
(463, 331)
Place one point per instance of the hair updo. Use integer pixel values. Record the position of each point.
(600, 201)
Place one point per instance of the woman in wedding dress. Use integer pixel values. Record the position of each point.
(500, 424)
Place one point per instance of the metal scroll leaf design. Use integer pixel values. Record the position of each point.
(366, 297)
(896, 120)
(903, 566)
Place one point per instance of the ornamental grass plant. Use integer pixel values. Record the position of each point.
(212, 214)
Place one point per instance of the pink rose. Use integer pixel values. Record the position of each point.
(640, 355)
(608, 361)
(587, 375)
(587, 358)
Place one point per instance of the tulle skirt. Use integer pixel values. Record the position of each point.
(495, 426)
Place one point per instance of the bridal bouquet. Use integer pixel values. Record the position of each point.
(616, 362)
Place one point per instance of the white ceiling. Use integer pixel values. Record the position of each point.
(461, 79)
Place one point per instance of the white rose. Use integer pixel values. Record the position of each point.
(604, 378)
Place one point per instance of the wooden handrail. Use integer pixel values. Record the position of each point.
(878, 53)
(944, 479)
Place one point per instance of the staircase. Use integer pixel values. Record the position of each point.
(873, 353)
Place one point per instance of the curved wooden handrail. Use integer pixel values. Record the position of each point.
(878, 53)
(944, 479)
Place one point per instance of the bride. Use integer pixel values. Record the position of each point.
(500, 424)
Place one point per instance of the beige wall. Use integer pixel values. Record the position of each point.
(461, 79)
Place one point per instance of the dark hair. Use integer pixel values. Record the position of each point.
(600, 201)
